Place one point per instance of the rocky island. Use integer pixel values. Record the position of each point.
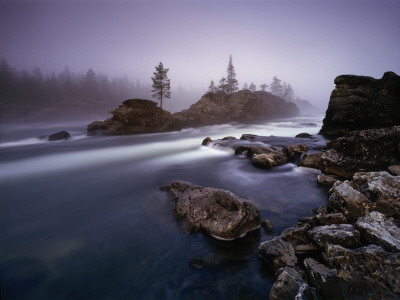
(144, 116)
(349, 248)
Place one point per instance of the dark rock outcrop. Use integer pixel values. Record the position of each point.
(365, 150)
(360, 102)
(62, 135)
(221, 213)
(243, 106)
(134, 116)
(340, 234)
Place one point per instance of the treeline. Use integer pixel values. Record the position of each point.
(35, 89)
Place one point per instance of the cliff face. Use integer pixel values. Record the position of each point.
(360, 102)
(243, 106)
(141, 116)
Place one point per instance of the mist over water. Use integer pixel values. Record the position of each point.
(85, 218)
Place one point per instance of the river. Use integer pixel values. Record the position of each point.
(84, 218)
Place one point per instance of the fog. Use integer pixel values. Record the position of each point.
(304, 43)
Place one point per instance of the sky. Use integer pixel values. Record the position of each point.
(306, 43)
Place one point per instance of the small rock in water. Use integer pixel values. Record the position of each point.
(197, 264)
(62, 135)
(326, 180)
(267, 226)
(304, 135)
(206, 141)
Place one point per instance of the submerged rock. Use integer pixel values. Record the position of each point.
(222, 214)
(360, 102)
(62, 135)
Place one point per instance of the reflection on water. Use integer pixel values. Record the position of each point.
(85, 219)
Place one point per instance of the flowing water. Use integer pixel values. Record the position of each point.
(84, 218)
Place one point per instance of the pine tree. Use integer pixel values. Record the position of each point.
(161, 84)
(223, 86)
(288, 94)
(212, 88)
(252, 87)
(245, 86)
(276, 87)
(263, 87)
(231, 81)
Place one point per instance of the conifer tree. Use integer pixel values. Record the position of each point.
(231, 81)
(263, 87)
(245, 86)
(252, 87)
(223, 86)
(161, 84)
(212, 88)
(276, 87)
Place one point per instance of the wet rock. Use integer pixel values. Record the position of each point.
(375, 228)
(341, 234)
(333, 218)
(221, 213)
(295, 151)
(297, 235)
(325, 180)
(277, 253)
(312, 160)
(135, 116)
(394, 170)
(266, 224)
(291, 285)
(61, 135)
(371, 260)
(347, 200)
(304, 135)
(206, 141)
(361, 102)
(317, 273)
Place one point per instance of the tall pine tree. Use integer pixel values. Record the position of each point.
(231, 81)
(161, 84)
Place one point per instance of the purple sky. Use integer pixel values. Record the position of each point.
(304, 42)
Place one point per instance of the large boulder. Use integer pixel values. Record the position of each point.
(371, 260)
(243, 106)
(134, 116)
(375, 228)
(360, 102)
(222, 214)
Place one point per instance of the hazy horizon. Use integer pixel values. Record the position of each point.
(304, 43)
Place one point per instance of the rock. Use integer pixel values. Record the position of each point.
(290, 285)
(135, 116)
(206, 141)
(221, 213)
(266, 224)
(304, 135)
(394, 170)
(365, 150)
(295, 151)
(333, 218)
(61, 135)
(341, 234)
(264, 156)
(360, 102)
(371, 261)
(376, 229)
(325, 180)
(312, 160)
(317, 273)
(242, 106)
(347, 200)
(277, 253)
(297, 235)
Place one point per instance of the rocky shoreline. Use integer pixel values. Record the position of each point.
(349, 248)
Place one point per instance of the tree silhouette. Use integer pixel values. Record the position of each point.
(161, 84)
(231, 81)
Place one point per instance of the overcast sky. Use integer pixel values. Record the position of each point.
(304, 42)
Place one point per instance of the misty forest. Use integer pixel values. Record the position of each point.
(175, 149)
